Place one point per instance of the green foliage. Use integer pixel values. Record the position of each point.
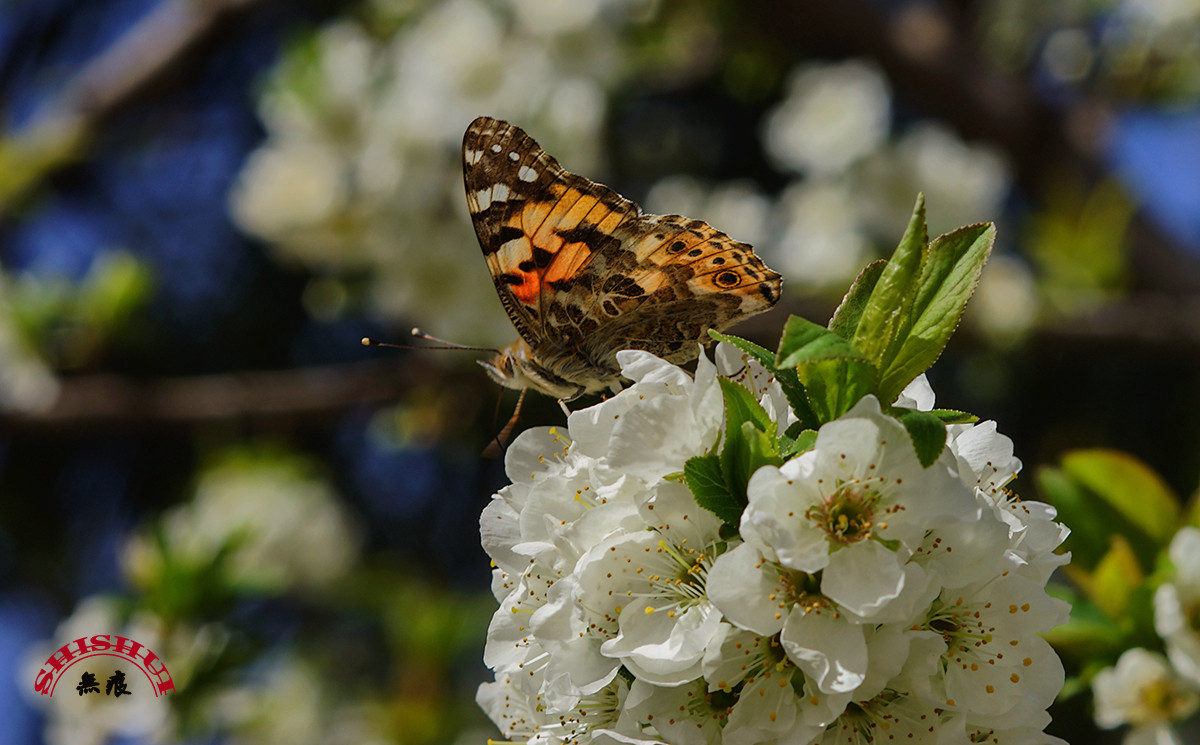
(835, 374)
(892, 324)
(1080, 243)
(1123, 518)
(890, 327)
(927, 431)
(788, 378)
(890, 300)
(706, 479)
(71, 323)
(718, 480)
(1098, 492)
(949, 275)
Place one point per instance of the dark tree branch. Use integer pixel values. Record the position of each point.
(276, 397)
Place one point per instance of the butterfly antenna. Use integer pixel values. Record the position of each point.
(443, 344)
(496, 447)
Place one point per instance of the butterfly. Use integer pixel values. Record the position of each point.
(583, 273)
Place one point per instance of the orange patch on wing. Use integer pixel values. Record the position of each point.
(527, 291)
(568, 259)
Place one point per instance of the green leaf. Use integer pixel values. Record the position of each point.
(1089, 634)
(1130, 487)
(948, 278)
(797, 397)
(1089, 530)
(953, 416)
(1115, 578)
(706, 480)
(762, 354)
(887, 307)
(805, 441)
(755, 450)
(834, 386)
(742, 406)
(789, 381)
(848, 314)
(928, 434)
(750, 441)
(835, 375)
(804, 342)
(1092, 521)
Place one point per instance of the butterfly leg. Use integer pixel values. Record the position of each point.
(496, 447)
(562, 404)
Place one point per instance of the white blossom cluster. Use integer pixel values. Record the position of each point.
(95, 720)
(1154, 694)
(855, 173)
(360, 177)
(275, 526)
(863, 598)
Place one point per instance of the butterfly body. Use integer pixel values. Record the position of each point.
(583, 273)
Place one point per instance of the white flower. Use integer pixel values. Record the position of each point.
(646, 588)
(1143, 691)
(833, 115)
(769, 599)
(894, 716)
(514, 705)
(864, 594)
(683, 715)
(997, 667)
(1177, 603)
(656, 424)
(855, 507)
(774, 700)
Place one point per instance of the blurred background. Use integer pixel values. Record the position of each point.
(205, 204)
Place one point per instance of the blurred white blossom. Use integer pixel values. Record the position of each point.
(832, 115)
(274, 525)
(1143, 691)
(285, 701)
(1006, 304)
(1176, 605)
(963, 183)
(1164, 13)
(821, 239)
(93, 719)
(737, 208)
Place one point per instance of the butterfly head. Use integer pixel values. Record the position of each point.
(516, 366)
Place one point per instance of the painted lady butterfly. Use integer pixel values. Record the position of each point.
(583, 273)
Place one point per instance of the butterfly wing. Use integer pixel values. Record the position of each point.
(530, 215)
(683, 277)
(584, 273)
